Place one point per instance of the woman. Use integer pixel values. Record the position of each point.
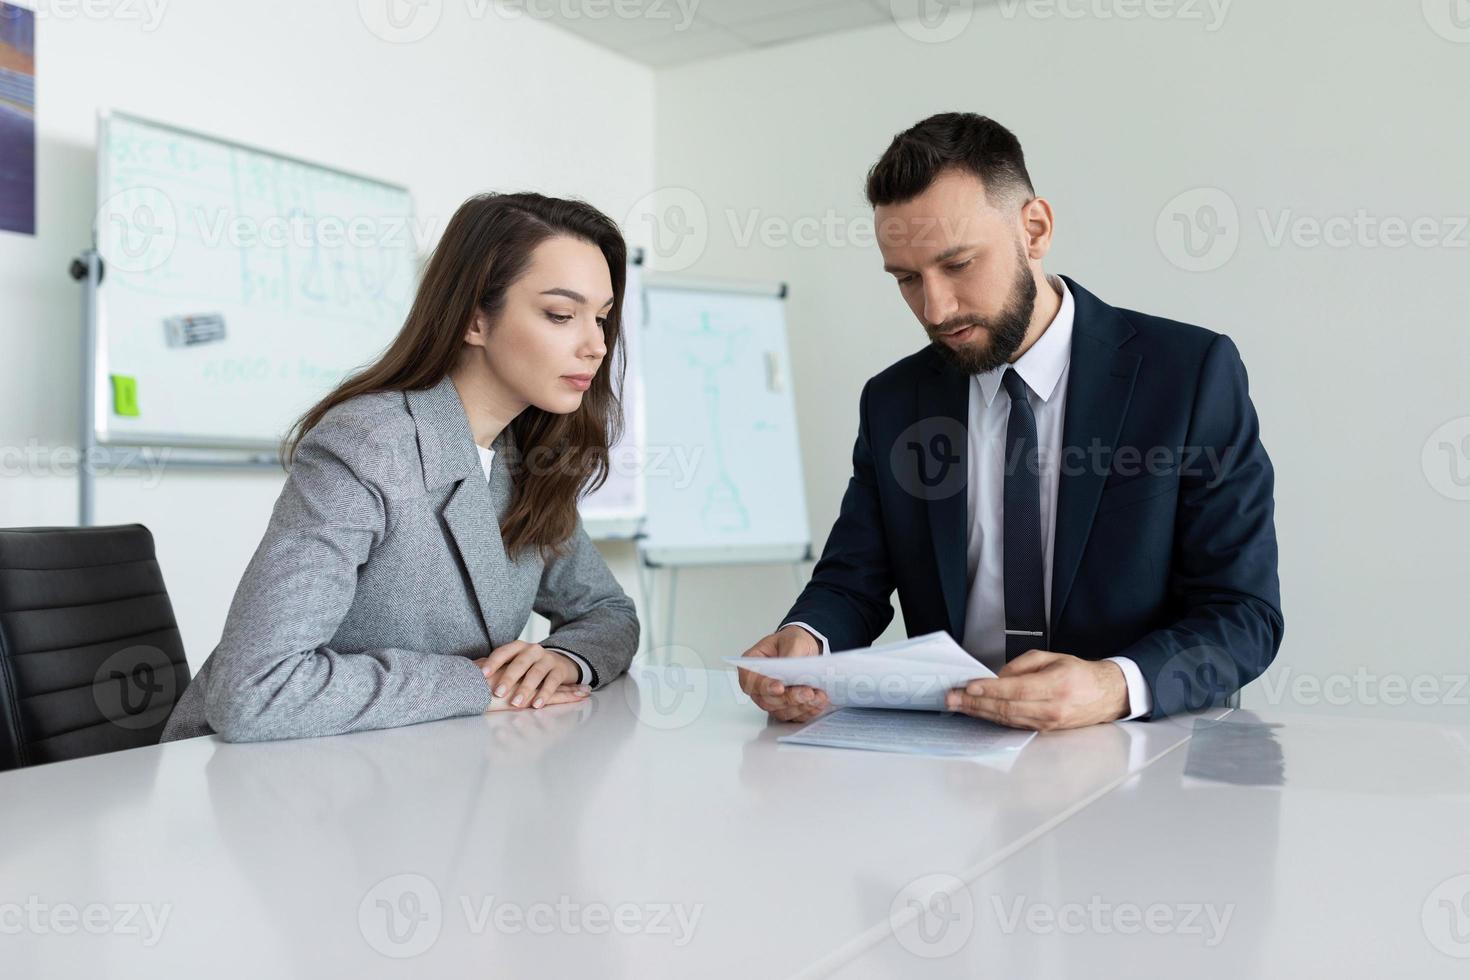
(431, 502)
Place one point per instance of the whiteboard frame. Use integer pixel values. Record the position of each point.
(95, 325)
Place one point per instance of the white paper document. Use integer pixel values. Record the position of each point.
(915, 674)
(915, 733)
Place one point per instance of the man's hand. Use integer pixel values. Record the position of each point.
(782, 702)
(1046, 691)
(534, 673)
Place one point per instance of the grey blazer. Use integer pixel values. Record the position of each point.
(382, 575)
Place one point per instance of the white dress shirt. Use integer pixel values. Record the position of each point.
(487, 463)
(1044, 368)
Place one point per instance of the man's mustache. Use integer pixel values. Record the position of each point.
(956, 323)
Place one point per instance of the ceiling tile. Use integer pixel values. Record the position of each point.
(661, 32)
(727, 12)
(600, 24)
(690, 45)
(827, 19)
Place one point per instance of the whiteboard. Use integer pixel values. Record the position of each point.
(723, 462)
(309, 270)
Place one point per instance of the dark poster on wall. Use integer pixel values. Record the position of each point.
(17, 119)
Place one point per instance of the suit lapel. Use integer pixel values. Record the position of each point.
(474, 508)
(473, 514)
(942, 406)
(1099, 388)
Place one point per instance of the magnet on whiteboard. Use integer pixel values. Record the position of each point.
(125, 395)
(199, 328)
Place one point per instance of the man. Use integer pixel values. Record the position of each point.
(1076, 493)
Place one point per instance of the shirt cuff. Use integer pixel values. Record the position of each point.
(826, 647)
(582, 665)
(1139, 701)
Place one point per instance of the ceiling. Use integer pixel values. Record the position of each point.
(669, 32)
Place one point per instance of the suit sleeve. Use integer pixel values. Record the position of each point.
(273, 674)
(848, 600)
(1223, 573)
(590, 615)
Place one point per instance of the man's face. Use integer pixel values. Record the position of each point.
(961, 267)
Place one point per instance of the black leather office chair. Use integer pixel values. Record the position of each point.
(90, 655)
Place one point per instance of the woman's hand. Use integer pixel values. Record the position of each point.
(562, 695)
(531, 675)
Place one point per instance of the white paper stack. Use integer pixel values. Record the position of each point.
(915, 734)
(916, 673)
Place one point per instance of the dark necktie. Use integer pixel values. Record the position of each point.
(1023, 566)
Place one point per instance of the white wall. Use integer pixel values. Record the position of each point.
(1356, 354)
(480, 103)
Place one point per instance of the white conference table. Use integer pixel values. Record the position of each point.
(658, 830)
(1268, 845)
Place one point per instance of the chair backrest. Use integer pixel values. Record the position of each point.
(91, 659)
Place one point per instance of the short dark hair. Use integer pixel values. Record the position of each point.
(962, 141)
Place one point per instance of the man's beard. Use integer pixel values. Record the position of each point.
(1005, 332)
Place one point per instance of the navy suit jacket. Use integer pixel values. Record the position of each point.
(1165, 541)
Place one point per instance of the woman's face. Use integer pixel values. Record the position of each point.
(547, 343)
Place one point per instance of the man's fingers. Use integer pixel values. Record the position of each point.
(810, 698)
(1029, 661)
(782, 643)
(750, 681)
(796, 696)
(759, 685)
(763, 648)
(796, 713)
(793, 698)
(1021, 687)
(769, 702)
(773, 696)
(803, 695)
(1035, 715)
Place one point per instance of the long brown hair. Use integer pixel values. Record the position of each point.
(485, 248)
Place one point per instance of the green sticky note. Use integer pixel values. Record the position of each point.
(125, 395)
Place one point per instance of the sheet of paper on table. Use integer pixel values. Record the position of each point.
(915, 733)
(913, 674)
